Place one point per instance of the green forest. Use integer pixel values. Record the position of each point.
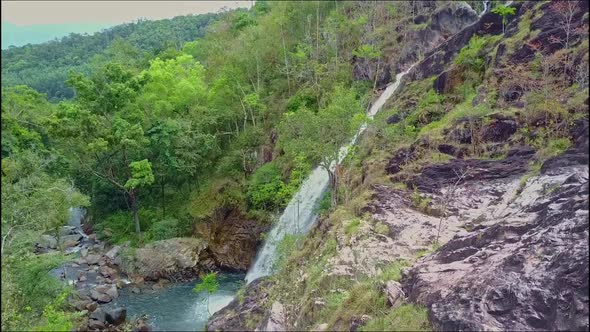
(159, 128)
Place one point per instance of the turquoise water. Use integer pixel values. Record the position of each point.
(176, 307)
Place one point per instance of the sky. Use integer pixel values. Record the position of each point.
(34, 22)
(105, 12)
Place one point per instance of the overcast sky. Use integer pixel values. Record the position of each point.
(110, 12)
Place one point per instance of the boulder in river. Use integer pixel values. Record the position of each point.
(67, 241)
(116, 316)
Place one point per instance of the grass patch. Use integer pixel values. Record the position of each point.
(352, 227)
(407, 317)
(381, 228)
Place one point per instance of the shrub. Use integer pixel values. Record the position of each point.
(267, 189)
(163, 229)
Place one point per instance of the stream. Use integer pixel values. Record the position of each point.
(176, 307)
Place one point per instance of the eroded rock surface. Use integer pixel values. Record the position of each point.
(251, 306)
(522, 267)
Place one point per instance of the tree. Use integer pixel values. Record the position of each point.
(319, 136)
(141, 175)
(504, 11)
(209, 284)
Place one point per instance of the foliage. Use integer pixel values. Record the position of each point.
(45, 67)
(163, 229)
(208, 283)
(504, 11)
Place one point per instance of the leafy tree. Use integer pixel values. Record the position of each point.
(209, 284)
(504, 11)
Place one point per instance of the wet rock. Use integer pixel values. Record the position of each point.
(100, 297)
(84, 252)
(141, 326)
(249, 307)
(116, 316)
(135, 290)
(394, 293)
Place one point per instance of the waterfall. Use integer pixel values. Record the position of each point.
(486, 4)
(299, 215)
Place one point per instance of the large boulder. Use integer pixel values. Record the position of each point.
(47, 241)
(116, 316)
(178, 257)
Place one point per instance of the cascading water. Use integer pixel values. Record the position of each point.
(299, 215)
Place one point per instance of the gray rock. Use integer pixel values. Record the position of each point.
(84, 252)
(92, 259)
(113, 252)
(394, 293)
(47, 241)
(277, 320)
(112, 292)
(99, 315)
(67, 241)
(94, 324)
(116, 316)
(107, 271)
(92, 306)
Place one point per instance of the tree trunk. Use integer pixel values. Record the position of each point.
(135, 209)
(163, 200)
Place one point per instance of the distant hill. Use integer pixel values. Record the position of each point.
(45, 66)
(16, 35)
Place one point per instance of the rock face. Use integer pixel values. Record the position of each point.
(233, 242)
(526, 270)
(175, 257)
(276, 319)
(249, 307)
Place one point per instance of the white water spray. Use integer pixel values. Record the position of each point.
(300, 215)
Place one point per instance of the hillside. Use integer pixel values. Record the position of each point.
(45, 66)
(325, 166)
